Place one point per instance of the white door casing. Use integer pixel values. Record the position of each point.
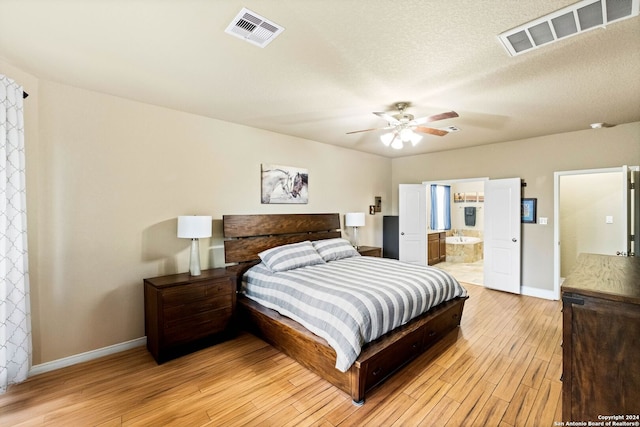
(630, 205)
(502, 245)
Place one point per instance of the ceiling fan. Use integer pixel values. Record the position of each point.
(402, 126)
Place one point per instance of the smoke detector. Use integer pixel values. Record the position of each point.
(253, 28)
(601, 125)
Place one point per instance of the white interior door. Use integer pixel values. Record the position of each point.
(412, 223)
(502, 235)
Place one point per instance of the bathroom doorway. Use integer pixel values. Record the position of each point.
(465, 239)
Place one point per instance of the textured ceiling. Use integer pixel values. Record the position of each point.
(336, 62)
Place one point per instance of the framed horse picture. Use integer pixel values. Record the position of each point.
(284, 184)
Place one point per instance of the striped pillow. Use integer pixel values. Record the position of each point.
(335, 249)
(288, 257)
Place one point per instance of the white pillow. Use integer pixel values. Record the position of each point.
(335, 249)
(288, 257)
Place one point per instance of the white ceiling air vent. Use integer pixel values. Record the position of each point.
(569, 21)
(253, 28)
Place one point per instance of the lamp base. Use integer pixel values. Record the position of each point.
(194, 263)
(355, 237)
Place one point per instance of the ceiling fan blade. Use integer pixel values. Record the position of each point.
(431, 131)
(365, 130)
(435, 117)
(388, 117)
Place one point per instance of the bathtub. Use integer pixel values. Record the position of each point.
(462, 240)
(464, 249)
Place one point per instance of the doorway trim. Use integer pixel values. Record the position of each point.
(557, 282)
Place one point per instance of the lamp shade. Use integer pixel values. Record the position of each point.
(354, 219)
(194, 227)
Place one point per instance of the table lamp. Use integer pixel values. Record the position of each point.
(194, 227)
(355, 220)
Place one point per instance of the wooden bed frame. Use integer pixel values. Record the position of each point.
(248, 235)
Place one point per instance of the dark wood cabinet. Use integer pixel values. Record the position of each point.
(370, 251)
(184, 313)
(437, 250)
(601, 338)
(390, 237)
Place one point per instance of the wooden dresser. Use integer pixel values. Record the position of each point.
(184, 313)
(601, 339)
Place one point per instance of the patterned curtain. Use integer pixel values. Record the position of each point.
(15, 316)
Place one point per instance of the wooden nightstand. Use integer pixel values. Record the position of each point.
(370, 251)
(184, 313)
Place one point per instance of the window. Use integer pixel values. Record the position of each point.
(440, 207)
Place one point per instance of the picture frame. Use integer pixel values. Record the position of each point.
(528, 210)
(471, 197)
(284, 184)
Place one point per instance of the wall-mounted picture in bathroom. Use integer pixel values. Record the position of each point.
(529, 211)
(481, 196)
(284, 184)
(458, 197)
(471, 197)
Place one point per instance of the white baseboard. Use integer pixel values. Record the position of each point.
(85, 357)
(538, 293)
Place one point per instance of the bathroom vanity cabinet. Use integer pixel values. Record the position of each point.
(437, 243)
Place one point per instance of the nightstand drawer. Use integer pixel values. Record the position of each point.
(187, 294)
(370, 251)
(177, 312)
(196, 326)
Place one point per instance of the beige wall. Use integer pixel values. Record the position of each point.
(107, 178)
(457, 209)
(535, 160)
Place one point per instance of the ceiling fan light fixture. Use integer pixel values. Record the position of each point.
(403, 128)
(386, 138)
(405, 134)
(397, 144)
(415, 138)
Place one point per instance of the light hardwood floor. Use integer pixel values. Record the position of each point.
(502, 367)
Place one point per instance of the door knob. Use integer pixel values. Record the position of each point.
(402, 234)
(514, 240)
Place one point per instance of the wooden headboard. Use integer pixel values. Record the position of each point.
(248, 235)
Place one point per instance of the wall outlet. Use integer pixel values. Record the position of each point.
(608, 219)
(542, 220)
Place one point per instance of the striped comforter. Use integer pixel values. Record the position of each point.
(352, 301)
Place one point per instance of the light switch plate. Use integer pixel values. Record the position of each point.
(609, 219)
(542, 220)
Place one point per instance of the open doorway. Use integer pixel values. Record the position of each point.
(593, 211)
(465, 239)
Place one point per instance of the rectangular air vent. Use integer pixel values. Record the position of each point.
(253, 28)
(569, 21)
